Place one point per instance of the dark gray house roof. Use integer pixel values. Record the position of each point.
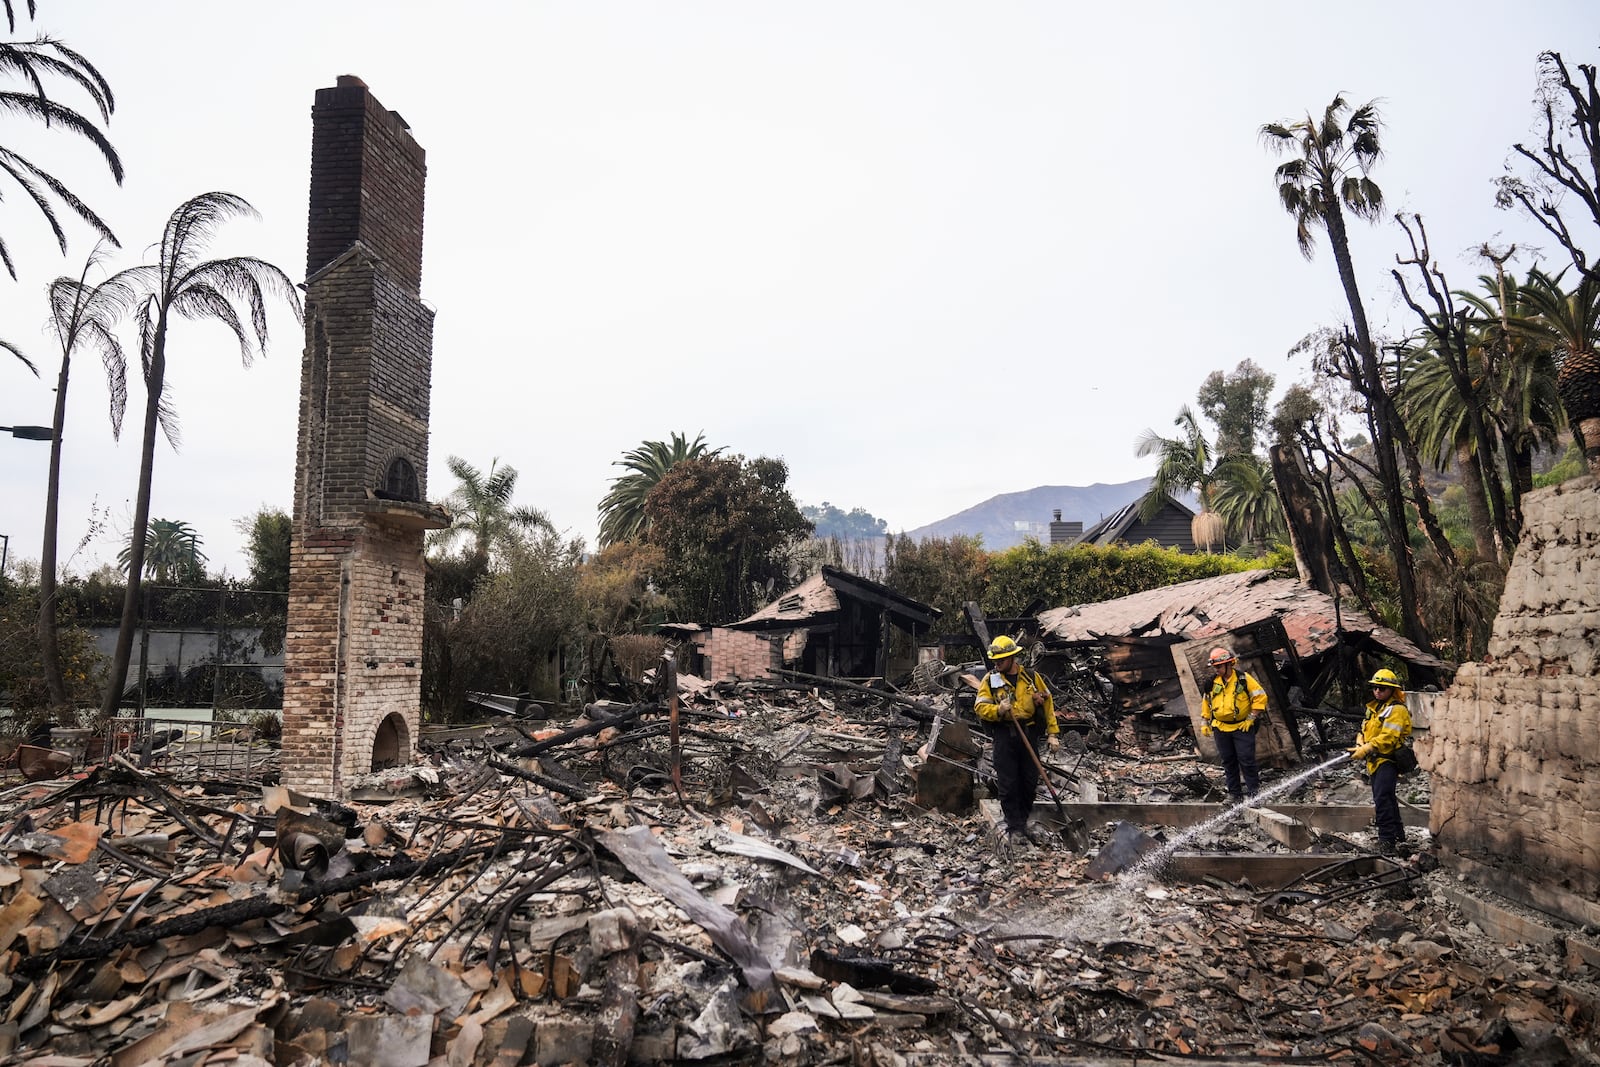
(1168, 528)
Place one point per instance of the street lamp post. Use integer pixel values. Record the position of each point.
(27, 433)
(30, 433)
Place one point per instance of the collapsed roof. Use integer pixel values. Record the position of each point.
(818, 599)
(1209, 607)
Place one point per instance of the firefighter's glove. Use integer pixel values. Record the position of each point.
(1039, 701)
(1205, 729)
(1004, 714)
(1054, 742)
(1363, 750)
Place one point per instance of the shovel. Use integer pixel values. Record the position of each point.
(1073, 833)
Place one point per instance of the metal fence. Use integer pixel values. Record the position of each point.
(209, 648)
(186, 748)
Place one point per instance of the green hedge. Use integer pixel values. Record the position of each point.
(1086, 574)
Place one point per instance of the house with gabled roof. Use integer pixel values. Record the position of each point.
(834, 623)
(1168, 527)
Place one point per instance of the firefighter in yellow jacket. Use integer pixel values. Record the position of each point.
(1384, 732)
(1012, 694)
(1231, 709)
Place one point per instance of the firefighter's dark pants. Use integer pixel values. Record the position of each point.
(1238, 751)
(1019, 778)
(1386, 806)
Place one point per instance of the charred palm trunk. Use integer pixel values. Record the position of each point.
(154, 383)
(1310, 533)
(1520, 462)
(1483, 531)
(1384, 421)
(49, 646)
(1487, 483)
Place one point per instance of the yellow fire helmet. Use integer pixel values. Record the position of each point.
(1003, 647)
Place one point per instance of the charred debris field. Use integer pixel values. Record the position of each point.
(797, 872)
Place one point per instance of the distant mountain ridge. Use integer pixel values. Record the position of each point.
(1007, 520)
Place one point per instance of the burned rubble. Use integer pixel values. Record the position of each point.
(799, 871)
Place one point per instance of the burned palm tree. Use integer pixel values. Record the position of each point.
(36, 64)
(181, 284)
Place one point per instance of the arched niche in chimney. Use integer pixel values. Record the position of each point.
(400, 481)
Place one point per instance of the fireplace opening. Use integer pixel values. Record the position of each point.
(391, 743)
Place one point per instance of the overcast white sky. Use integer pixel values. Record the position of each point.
(925, 252)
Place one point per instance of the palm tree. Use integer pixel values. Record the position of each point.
(1522, 400)
(1245, 496)
(1570, 322)
(81, 316)
(1436, 413)
(181, 284)
(1186, 463)
(1327, 177)
(481, 507)
(35, 62)
(622, 515)
(172, 550)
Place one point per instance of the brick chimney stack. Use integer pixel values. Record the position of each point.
(366, 183)
(353, 651)
(1064, 533)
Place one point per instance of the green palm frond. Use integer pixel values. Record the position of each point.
(1328, 171)
(1509, 324)
(1568, 319)
(482, 509)
(1244, 494)
(1184, 463)
(171, 547)
(622, 510)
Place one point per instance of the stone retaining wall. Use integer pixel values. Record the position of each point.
(1514, 744)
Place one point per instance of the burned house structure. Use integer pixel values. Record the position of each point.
(1308, 650)
(834, 624)
(676, 881)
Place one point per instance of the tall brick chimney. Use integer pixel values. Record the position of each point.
(353, 652)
